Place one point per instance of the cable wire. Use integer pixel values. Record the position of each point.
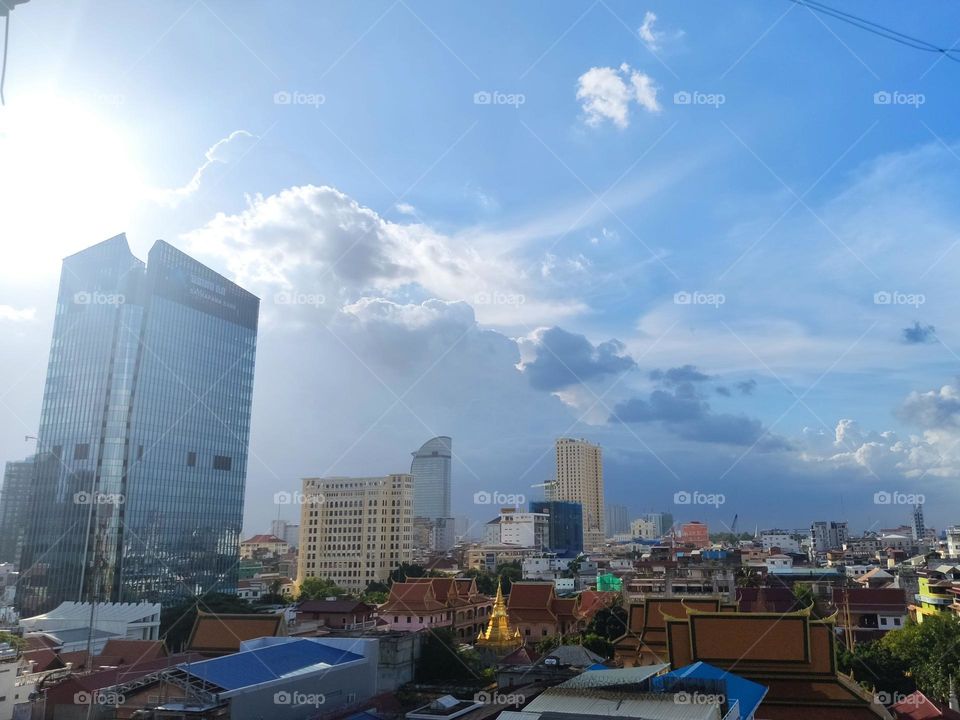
(877, 29)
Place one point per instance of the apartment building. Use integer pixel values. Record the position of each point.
(355, 530)
(580, 479)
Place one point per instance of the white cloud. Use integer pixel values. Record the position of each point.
(405, 208)
(13, 314)
(223, 152)
(606, 93)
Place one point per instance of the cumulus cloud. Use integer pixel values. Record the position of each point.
(316, 240)
(12, 314)
(684, 411)
(224, 151)
(918, 334)
(554, 359)
(606, 93)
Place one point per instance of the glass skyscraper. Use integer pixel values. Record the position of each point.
(14, 507)
(431, 470)
(142, 447)
(565, 526)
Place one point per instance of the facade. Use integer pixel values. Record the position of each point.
(781, 539)
(260, 546)
(827, 535)
(14, 508)
(355, 531)
(286, 531)
(953, 542)
(695, 533)
(565, 525)
(536, 611)
(617, 519)
(580, 479)
(526, 529)
(919, 529)
(431, 471)
(142, 446)
(425, 603)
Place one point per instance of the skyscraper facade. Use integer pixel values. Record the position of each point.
(355, 531)
(14, 508)
(580, 479)
(142, 446)
(431, 470)
(565, 526)
(617, 519)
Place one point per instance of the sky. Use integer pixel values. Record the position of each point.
(718, 239)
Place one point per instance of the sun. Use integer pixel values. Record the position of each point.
(68, 177)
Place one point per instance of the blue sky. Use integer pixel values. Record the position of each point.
(506, 272)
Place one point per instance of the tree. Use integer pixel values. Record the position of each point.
(441, 659)
(509, 573)
(609, 623)
(14, 641)
(931, 651)
(875, 666)
(317, 588)
(597, 644)
(486, 582)
(804, 594)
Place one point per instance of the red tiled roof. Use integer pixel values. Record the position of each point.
(593, 601)
(872, 599)
(338, 607)
(918, 706)
(442, 587)
(131, 652)
(565, 608)
(222, 633)
(530, 595)
(411, 597)
(43, 659)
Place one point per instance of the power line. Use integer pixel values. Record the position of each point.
(879, 30)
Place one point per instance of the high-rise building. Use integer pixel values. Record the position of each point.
(286, 531)
(617, 519)
(15, 508)
(526, 529)
(142, 447)
(431, 470)
(355, 531)
(827, 535)
(919, 530)
(565, 525)
(953, 542)
(580, 479)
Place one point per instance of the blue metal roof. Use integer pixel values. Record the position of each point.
(747, 692)
(272, 662)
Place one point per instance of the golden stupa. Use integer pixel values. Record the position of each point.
(499, 636)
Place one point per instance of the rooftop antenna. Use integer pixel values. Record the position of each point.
(5, 7)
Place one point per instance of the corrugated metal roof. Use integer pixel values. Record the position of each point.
(649, 706)
(612, 677)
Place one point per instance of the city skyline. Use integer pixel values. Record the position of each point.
(733, 289)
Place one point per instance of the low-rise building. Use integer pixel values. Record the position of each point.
(426, 603)
(869, 613)
(263, 546)
(537, 612)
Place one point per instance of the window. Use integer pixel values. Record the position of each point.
(191, 459)
(222, 462)
(139, 452)
(81, 451)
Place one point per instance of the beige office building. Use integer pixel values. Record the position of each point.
(580, 479)
(355, 530)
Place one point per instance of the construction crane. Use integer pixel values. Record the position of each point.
(5, 7)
